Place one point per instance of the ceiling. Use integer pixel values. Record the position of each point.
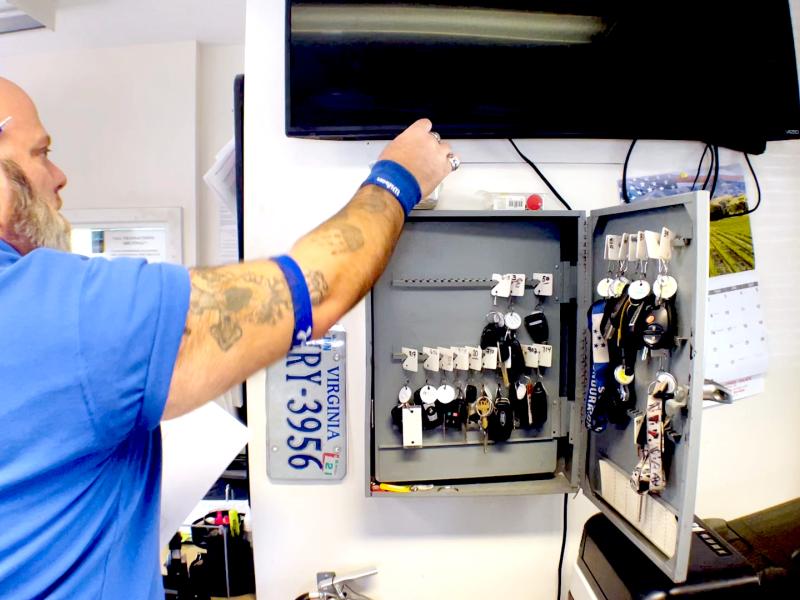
(106, 23)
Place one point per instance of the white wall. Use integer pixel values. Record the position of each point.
(430, 548)
(137, 126)
(123, 122)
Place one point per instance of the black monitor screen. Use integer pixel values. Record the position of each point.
(716, 71)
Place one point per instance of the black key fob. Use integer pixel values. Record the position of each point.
(537, 328)
(431, 416)
(455, 414)
(491, 335)
(501, 421)
(659, 328)
(538, 404)
(471, 393)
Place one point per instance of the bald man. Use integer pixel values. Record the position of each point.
(98, 352)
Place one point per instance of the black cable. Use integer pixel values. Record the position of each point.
(758, 187)
(716, 171)
(710, 168)
(700, 166)
(625, 196)
(541, 175)
(563, 546)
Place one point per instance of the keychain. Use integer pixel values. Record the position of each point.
(501, 420)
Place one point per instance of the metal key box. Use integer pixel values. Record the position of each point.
(436, 292)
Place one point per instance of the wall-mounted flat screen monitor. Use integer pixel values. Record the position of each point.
(720, 72)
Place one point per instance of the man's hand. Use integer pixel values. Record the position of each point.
(422, 154)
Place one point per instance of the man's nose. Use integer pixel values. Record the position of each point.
(61, 182)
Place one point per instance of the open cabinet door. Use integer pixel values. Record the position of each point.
(659, 523)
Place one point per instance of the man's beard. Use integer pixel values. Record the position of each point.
(33, 221)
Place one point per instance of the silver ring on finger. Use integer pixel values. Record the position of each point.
(455, 162)
(436, 136)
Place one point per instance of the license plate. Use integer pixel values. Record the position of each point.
(307, 436)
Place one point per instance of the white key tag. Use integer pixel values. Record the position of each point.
(446, 393)
(412, 427)
(405, 395)
(545, 355)
(461, 358)
(428, 394)
(618, 286)
(431, 356)
(490, 358)
(610, 253)
(639, 289)
(665, 246)
(411, 360)
(612, 247)
(503, 287)
(518, 284)
(445, 359)
(641, 246)
(604, 287)
(623, 248)
(512, 320)
(665, 287)
(652, 240)
(531, 354)
(521, 391)
(545, 285)
(633, 247)
(475, 358)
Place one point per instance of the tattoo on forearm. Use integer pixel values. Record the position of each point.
(238, 298)
(227, 332)
(317, 287)
(372, 202)
(276, 301)
(340, 237)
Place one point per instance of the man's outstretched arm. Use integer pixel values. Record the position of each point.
(241, 316)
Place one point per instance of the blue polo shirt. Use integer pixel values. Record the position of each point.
(88, 349)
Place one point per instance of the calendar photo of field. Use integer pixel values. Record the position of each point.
(731, 246)
(731, 242)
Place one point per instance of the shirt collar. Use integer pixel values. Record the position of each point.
(8, 254)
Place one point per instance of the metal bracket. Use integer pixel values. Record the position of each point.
(462, 283)
(565, 283)
(716, 392)
(333, 587)
(674, 405)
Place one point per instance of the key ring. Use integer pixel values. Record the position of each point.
(496, 318)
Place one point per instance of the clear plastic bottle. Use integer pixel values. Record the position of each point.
(511, 200)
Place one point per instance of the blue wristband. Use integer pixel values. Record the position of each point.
(301, 299)
(398, 181)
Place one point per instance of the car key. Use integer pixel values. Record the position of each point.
(501, 420)
(659, 328)
(483, 407)
(522, 406)
(538, 404)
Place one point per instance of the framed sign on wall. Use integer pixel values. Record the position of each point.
(154, 234)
